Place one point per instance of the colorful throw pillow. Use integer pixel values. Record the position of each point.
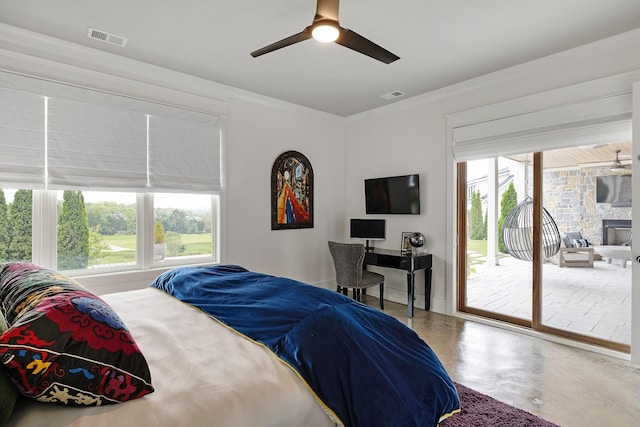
(8, 392)
(65, 345)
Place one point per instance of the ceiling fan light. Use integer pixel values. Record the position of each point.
(325, 33)
(617, 166)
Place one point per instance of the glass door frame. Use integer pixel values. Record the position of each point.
(535, 323)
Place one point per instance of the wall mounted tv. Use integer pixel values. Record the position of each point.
(614, 189)
(393, 195)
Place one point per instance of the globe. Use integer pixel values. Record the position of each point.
(416, 239)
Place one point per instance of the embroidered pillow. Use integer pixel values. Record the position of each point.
(8, 393)
(65, 345)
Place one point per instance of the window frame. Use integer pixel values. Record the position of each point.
(44, 237)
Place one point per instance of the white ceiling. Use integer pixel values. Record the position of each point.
(440, 42)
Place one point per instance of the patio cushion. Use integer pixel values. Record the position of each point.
(580, 243)
(569, 237)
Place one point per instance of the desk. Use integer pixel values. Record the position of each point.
(404, 261)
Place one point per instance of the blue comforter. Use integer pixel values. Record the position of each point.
(369, 368)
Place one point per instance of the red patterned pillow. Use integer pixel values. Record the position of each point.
(66, 345)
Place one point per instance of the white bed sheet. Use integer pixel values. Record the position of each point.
(203, 373)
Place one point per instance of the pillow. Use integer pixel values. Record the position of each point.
(64, 344)
(580, 243)
(569, 237)
(8, 392)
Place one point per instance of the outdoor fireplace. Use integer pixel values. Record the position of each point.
(616, 231)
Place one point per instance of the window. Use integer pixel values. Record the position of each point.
(15, 225)
(101, 171)
(96, 231)
(182, 227)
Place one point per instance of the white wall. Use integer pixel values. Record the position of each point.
(257, 134)
(389, 143)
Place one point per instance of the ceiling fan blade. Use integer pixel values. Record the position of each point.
(355, 41)
(302, 36)
(327, 9)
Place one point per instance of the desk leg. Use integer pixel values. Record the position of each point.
(427, 289)
(410, 290)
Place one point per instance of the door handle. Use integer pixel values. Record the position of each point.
(638, 258)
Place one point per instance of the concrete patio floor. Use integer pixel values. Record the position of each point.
(591, 301)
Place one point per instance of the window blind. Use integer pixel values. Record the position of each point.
(184, 153)
(97, 140)
(22, 139)
(591, 122)
(95, 147)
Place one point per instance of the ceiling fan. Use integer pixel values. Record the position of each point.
(617, 165)
(326, 28)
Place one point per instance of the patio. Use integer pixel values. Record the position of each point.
(592, 301)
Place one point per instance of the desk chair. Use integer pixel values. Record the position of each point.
(348, 259)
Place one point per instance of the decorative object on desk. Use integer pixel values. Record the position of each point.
(291, 192)
(481, 410)
(416, 240)
(406, 244)
(411, 240)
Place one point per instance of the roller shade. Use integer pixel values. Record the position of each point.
(596, 121)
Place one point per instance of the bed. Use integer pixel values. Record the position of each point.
(229, 347)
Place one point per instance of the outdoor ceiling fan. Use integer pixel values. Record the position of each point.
(617, 165)
(326, 28)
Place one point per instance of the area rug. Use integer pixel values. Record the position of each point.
(480, 410)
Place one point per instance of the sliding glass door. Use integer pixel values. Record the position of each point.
(498, 285)
(586, 286)
(547, 240)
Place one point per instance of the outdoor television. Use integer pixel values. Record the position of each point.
(614, 189)
(393, 195)
(369, 229)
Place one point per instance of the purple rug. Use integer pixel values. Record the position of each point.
(480, 410)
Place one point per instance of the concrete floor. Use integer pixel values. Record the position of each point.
(565, 385)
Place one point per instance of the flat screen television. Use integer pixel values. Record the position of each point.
(369, 229)
(393, 195)
(614, 189)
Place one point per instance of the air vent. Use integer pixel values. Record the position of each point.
(103, 36)
(393, 95)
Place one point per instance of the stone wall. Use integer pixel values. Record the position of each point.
(570, 198)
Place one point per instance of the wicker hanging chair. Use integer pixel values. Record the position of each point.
(517, 232)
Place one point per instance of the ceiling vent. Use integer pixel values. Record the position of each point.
(103, 36)
(393, 95)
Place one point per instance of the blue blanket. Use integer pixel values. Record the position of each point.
(369, 368)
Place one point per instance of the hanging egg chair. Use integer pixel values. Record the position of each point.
(517, 232)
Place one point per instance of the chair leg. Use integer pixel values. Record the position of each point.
(381, 296)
